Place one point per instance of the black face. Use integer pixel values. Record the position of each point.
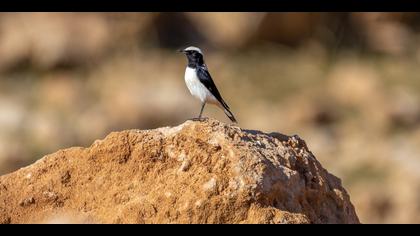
(194, 58)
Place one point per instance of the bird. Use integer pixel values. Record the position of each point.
(200, 83)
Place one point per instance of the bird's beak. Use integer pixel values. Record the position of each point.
(181, 50)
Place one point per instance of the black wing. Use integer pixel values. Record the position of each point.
(205, 78)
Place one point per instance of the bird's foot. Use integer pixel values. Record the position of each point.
(199, 119)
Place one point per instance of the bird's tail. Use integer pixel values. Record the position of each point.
(222, 104)
(230, 115)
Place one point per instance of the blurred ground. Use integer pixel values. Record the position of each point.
(348, 83)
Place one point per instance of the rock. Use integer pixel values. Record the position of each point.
(197, 172)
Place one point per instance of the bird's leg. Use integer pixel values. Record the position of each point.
(202, 109)
(201, 112)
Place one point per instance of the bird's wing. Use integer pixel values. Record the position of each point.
(205, 78)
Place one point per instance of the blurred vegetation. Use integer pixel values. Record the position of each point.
(348, 83)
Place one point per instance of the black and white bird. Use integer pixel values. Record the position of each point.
(200, 83)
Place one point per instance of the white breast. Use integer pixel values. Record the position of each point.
(197, 89)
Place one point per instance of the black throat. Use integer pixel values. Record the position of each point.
(195, 60)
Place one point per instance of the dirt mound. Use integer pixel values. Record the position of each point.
(197, 172)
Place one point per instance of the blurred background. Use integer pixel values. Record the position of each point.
(347, 83)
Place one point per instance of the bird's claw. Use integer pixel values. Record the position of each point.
(199, 119)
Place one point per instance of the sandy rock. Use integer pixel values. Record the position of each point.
(197, 172)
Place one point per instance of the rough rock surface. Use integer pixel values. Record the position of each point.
(197, 172)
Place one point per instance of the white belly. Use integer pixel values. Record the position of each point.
(197, 89)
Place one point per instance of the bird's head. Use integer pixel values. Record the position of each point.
(194, 55)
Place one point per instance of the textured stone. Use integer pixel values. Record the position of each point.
(197, 172)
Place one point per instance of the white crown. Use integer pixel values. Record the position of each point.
(192, 48)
